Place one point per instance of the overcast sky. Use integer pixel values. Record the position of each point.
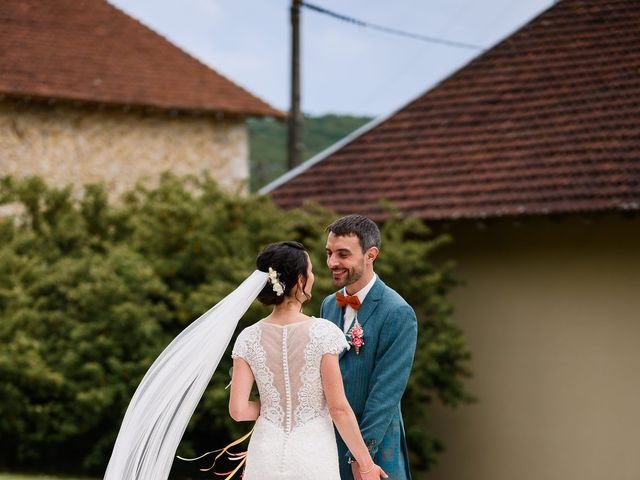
(345, 68)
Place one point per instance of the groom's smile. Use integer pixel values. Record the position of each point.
(339, 275)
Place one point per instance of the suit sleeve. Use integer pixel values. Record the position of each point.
(394, 359)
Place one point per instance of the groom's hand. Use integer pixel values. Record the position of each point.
(355, 470)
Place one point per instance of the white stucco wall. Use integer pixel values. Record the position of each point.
(551, 311)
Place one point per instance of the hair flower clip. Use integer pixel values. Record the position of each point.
(274, 278)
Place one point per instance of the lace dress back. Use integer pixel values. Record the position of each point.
(294, 436)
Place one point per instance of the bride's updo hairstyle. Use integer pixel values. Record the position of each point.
(289, 260)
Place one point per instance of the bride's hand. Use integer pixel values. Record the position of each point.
(374, 472)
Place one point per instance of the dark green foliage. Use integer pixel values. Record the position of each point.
(91, 292)
(268, 140)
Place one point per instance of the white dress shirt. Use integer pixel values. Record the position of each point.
(350, 313)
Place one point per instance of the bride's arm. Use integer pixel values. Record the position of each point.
(240, 407)
(343, 416)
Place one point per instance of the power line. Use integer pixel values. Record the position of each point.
(392, 31)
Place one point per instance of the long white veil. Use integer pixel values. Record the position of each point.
(169, 392)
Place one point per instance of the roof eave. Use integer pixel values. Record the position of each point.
(126, 105)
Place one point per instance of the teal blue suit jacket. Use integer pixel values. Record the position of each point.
(375, 379)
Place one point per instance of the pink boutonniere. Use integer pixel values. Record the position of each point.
(356, 335)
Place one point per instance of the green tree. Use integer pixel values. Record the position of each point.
(268, 142)
(91, 292)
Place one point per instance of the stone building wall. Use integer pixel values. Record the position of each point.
(80, 144)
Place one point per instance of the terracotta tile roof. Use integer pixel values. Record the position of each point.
(88, 50)
(547, 121)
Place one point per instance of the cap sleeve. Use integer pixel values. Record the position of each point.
(331, 338)
(240, 346)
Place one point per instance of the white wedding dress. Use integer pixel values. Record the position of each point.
(294, 436)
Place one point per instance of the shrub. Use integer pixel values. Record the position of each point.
(92, 291)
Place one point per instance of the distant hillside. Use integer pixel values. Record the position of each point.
(268, 142)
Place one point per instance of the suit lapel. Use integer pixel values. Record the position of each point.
(370, 302)
(368, 307)
(334, 313)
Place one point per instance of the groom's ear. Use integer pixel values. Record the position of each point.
(372, 254)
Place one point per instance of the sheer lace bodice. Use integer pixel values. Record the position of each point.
(285, 361)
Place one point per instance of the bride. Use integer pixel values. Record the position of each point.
(292, 357)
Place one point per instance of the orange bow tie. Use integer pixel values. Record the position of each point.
(352, 300)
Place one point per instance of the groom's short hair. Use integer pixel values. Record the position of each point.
(363, 227)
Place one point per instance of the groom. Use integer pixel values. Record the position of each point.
(382, 330)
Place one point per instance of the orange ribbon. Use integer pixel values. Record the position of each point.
(240, 457)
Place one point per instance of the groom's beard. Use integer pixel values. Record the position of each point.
(347, 278)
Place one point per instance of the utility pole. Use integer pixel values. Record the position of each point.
(296, 142)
